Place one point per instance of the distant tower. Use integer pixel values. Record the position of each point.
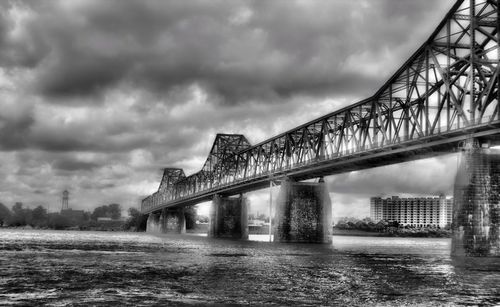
(65, 199)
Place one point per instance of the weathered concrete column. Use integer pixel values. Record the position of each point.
(153, 224)
(228, 217)
(173, 220)
(163, 220)
(168, 221)
(303, 213)
(476, 210)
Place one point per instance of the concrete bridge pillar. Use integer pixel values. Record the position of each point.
(303, 213)
(168, 221)
(476, 210)
(228, 217)
(153, 224)
(172, 220)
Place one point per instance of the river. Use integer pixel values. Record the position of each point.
(69, 268)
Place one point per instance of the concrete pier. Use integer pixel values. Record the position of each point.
(303, 213)
(168, 221)
(228, 217)
(476, 211)
(153, 224)
(174, 220)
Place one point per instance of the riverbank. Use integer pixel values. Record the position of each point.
(395, 232)
(356, 233)
(252, 229)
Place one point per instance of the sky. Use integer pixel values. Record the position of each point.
(96, 97)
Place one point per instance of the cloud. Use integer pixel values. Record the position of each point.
(236, 51)
(97, 96)
(349, 205)
(13, 130)
(72, 165)
(423, 177)
(20, 44)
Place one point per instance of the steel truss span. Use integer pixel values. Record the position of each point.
(446, 92)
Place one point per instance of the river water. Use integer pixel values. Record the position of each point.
(64, 268)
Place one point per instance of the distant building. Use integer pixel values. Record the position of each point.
(419, 212)
(65, 200)
(74, 216)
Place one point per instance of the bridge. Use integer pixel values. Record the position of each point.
(445, 97)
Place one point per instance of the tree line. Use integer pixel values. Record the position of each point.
(391, 228)
(19, 216)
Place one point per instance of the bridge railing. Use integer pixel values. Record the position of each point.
(159, 200)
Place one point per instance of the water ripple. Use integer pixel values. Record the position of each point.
(109, 269)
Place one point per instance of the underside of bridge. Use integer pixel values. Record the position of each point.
(444, 96)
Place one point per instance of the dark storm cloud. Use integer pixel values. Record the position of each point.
(80, 75)
(22, 134)
(53, 129)
(238, 50)
(30, 162)
(72, 165)
(13, 132)
(96, 185)
(82, 141)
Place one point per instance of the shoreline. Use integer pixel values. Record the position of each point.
(362, 233)
(335, 232)
(357, 233)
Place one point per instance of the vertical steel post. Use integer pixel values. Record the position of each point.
(448, 60)
(472, 76)
(427, 121)
(498, 55)
(270, 210)
(390, 116)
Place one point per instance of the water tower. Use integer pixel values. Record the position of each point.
(65, 200)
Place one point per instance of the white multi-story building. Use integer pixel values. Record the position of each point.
(419, 212)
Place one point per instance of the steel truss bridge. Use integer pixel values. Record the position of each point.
(446, 92)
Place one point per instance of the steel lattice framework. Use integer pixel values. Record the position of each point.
(448, 90)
